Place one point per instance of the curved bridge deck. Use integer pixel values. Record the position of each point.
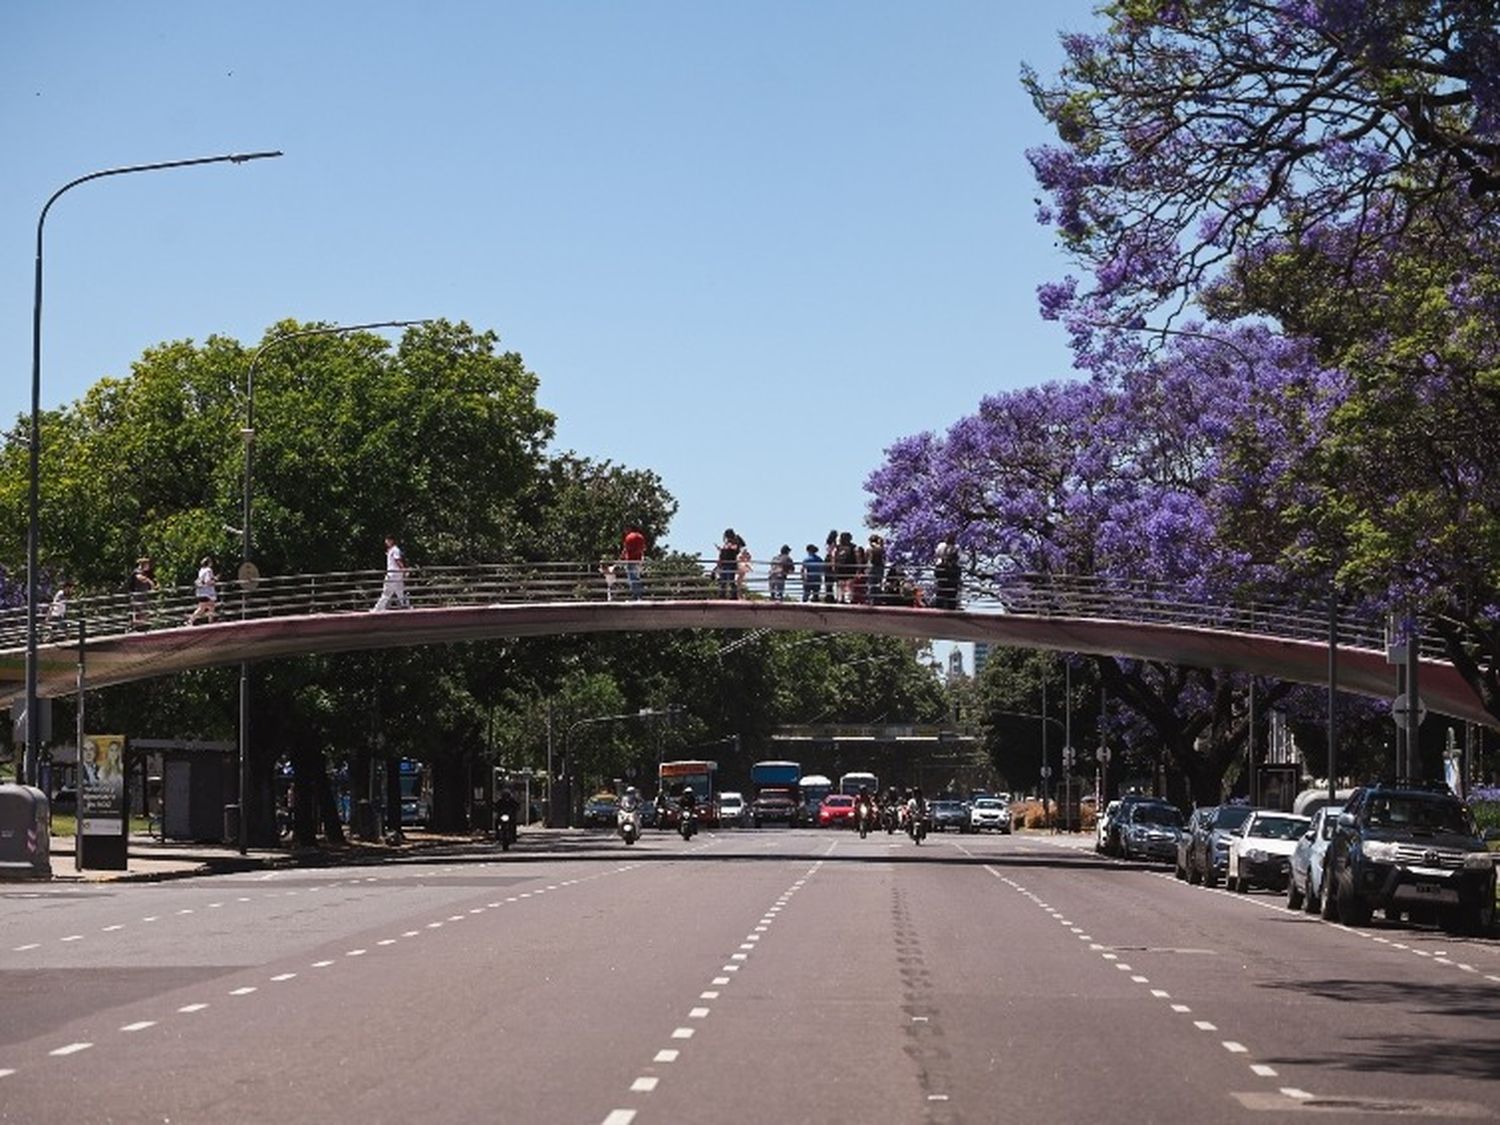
(327, 613)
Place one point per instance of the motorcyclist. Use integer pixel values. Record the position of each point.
(629, 812)
(687, 801)
(506, 805)
(864, 807)
(631, 801)
(916, 808)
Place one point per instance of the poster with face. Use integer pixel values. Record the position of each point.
(101, 785)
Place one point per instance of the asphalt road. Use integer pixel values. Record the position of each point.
(786, 976)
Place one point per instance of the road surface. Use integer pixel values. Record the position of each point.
(786, 976)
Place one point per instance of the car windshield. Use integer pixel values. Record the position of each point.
(838, 802)
(1231, 816)
(1277, 827)
(1330, 821)
(987, 803)
(1419, 813)
(1157, 814)
(946, 806)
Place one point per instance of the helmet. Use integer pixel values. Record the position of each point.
(631, 791)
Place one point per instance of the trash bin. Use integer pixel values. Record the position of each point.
(366, 824)
(231, 824)
(25, 833)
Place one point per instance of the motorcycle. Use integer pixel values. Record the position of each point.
(507, 831)
(916, 825)
(888, 819)
(687, 823)
(863, 815)
(629, 823)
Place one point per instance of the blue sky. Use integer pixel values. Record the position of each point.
(745, 245)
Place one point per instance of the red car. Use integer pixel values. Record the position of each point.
(837, 810)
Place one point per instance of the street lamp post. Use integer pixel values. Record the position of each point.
(248, 574)
(643, 713)
(33, 496)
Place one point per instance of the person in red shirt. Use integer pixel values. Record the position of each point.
(633, 551)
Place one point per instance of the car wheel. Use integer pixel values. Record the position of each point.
(1210, 876)
(1329, 907)
(1353, 910)
(1313, 903)
(1194, 876)
(1293, 893)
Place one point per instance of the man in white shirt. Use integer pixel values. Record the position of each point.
(393, 593)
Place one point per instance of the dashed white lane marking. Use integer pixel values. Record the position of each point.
(644, 1085)
(70, 1049)
(698, 1014)
(710, 995)
(112, 929)
(666, 1054)
(1235, 1048)
(283, 976)
(1204, 1025)
(321, 964)
(6, 1073)
(1293, 1092)
(72, 937)
(139, 1025)
(189, 1009)
(1181, 1008)
(1261, 1070)
(356, 953)
(246, 991)
(682, 1033)
(720, 980)
(1161, 994)
(620, 1117)
(27, 946)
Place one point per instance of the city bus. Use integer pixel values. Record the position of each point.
(850, 783)
(696, 775)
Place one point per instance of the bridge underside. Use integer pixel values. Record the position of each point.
(138, 656)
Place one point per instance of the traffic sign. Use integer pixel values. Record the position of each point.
(1069, 755)
(1400, 706)
(1046, 772)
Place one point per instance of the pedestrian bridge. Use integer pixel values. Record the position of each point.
(330, 613)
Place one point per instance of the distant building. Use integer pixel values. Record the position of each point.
(956, 664)
(981, 656)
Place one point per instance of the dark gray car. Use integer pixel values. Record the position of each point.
(1208, 847)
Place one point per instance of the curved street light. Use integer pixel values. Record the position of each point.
(248, 575)
(33, 497)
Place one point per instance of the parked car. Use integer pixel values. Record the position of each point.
(733, 812)
(946, 814)
(1103, 826)
(1196, 822)
(1260, 850)
(1409, 849)
(836, 811)
(1109, 833)
(1304, 884)
(1149, 830)
(600, 811)
(989, 814)
(1208, 850)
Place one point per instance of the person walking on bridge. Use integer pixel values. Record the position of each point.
(393, 592)
(633, 551)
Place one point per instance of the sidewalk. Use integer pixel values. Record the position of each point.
(150, 860)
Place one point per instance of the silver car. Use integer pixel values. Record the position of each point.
(1304, 888)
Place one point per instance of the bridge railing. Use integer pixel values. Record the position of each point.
(676, 579)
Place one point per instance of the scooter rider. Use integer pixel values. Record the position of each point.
(506, 805)
(864, 807)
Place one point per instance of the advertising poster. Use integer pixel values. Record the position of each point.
(101, 785)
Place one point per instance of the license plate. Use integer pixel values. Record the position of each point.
(1428, 888)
